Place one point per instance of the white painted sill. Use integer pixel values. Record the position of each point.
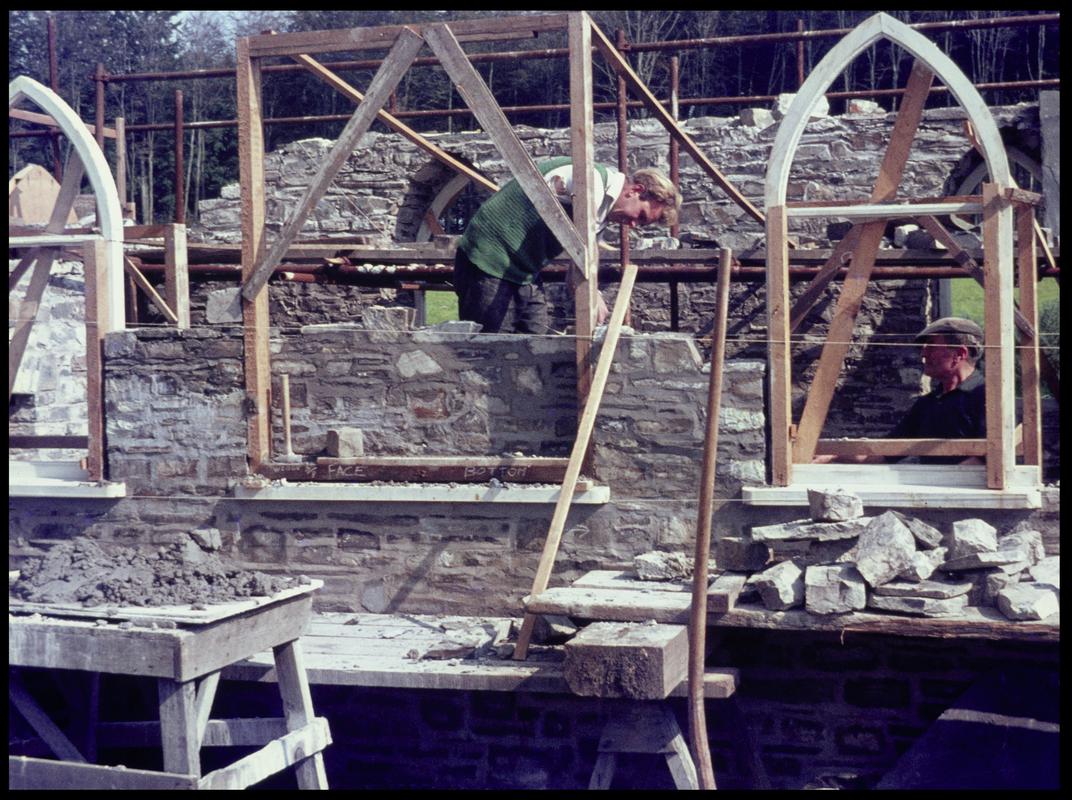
(904, 486)
(58, 479)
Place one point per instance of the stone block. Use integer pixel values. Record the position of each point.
(835, 589)
(784, 100)
(927, 536)
(922, 606)
(756, 117)
(224, 306)
(972, 536)
(1002, 558)
(938, 589)
(207, 538)
(834, 505)
(993, 584)
(924, 564)
(1028, 601)
(901, 232)
(1027, 542)
(634, 660)
(741, 553)
(857, 105)
(885, 550)
(781, 586)
(814, 531)
(346, 442)
(1047, 571)
(659, 566)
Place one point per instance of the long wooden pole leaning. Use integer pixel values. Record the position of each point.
(701, 751)
(580, 445)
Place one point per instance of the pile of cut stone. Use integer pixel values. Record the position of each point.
(840, 561)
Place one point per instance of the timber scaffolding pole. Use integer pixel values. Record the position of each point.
(798, 38)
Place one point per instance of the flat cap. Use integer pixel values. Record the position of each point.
(952, 325)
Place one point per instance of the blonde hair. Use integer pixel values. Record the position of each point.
(659, 188)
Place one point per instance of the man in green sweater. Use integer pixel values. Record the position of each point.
(506, 244)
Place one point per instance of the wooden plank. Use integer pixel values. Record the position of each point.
(272, 758)
(136, 232)
(20, 269)
(225, 642)
(998, 340)
(582, 149)
(95, 259)
(178, 726)
(177, 274)
(41, 773)
(420, 469)
(485, 108)
(150, 291)
(621, 66)
(383, 83)
(298, 710)
(580, 446)
(618, 579)
(55, 738)
(398, 126)
(85, 647)
(778, 354)
(613, 605)
(382, 37)
(255, 358)
(1029, 344)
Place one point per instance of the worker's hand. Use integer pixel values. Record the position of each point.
(602, 312)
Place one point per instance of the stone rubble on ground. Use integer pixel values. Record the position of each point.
(839, 561)
(661, 566)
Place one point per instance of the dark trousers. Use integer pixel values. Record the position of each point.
(499, 306)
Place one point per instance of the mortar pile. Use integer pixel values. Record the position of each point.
(80, 571)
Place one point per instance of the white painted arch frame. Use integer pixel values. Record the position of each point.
(110, 217)
(998, 236)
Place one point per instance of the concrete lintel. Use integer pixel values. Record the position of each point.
(903, 496)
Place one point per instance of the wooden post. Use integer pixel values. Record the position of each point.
(623, 156)
(701, 750)
(255, 309)
(586, 292)
(998, 336)
(779, 363)
(298, 710)
(176, 273)
(121, 162)
(1029, 345)
(99, 78)
(95, 258)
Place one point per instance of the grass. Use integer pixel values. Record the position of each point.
(440, 307)
(967, 301)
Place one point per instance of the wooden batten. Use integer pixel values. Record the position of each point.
(807, 299)
(418, 469)
(150, 291)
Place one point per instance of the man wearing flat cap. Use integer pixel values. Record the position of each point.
(955, 408)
